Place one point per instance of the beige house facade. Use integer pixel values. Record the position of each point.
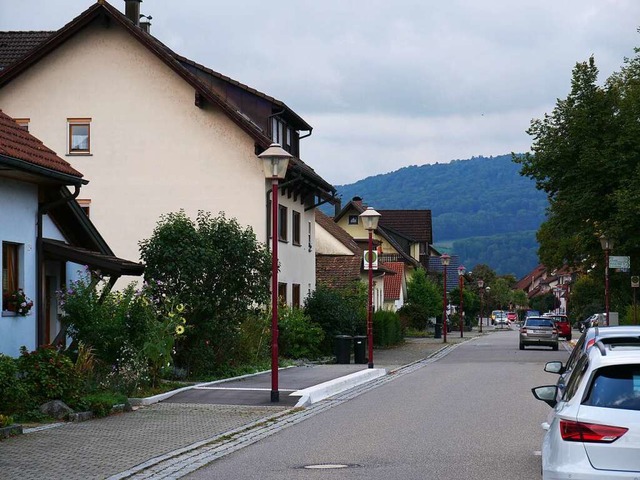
(157, 133)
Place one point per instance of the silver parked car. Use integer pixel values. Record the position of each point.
(593, 430)
(539, 331)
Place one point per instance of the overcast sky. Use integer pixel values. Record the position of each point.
(387, 84)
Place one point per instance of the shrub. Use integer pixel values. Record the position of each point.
(102, 403)
(48, 374)
(338, 312)
(5, 420)
(387, 329)
(298, 336)
(13, 397)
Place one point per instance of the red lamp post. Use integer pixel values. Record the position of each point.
(444, 259)
(481, 291)
(370, 220)
(275, 162)
(461, 271)
(607, 246)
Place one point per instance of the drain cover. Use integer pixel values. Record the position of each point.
(326, 466)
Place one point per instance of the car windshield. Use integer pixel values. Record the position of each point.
(539, 322)
(616, 386)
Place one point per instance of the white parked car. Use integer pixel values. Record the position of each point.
(593, 431)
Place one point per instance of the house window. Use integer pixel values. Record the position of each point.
(353, 219)
(282, 223)
(295, 295)
(79, 135)
(281, 133)
(85, 205)
(282, 293)
(10, 272)
(296, 228)
(309, 237)
(23, 122)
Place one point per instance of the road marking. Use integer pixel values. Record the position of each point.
(537, 453)
(243, 389)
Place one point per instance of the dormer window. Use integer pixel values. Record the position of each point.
(281, 133)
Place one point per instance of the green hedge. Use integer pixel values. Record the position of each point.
(387, 329)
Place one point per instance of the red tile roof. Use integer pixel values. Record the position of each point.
(337, 271)
(18, 144)
(393, 283)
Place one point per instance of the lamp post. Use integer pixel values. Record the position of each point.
(481, 291)
(370, 220)
(275, 162)
(444, 259)
(607, 246)
(461, 271)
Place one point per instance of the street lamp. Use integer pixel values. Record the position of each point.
(370, 220)
(461, 271)
(275, 161)
(444, 259)
(481, 291)
(607, 246)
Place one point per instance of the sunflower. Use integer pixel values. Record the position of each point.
(179, 330)
(180, 308)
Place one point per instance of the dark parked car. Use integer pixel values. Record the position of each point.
(539, 331)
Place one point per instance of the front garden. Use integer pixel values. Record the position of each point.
(195, 318)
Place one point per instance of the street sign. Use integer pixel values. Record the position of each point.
(374, 260)
(635, 281)
(623, 263)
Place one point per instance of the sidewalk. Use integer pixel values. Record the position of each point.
(172, 435)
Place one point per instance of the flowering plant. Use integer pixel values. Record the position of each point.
(18, 302)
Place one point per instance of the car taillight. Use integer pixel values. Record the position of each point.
(590, 343)
(590, 432)
(555, 330)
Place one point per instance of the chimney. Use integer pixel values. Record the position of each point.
(132, 11)
(146, 23)
(337, 208)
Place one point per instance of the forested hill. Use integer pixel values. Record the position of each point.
(482, 208)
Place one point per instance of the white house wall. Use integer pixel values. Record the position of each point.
(327, 244)
(297, 262)
(18, 225)
(152, 151)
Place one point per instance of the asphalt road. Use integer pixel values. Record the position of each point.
(470, 415)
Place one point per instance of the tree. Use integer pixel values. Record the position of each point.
(219, 272)
(424, 300)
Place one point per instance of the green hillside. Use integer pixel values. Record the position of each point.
(482, 207)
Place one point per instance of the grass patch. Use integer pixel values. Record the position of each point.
(415, 333)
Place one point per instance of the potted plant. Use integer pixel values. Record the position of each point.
(19, 303)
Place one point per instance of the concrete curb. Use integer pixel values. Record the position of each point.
(324, 390)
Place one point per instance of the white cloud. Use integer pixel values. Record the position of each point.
(388, 84)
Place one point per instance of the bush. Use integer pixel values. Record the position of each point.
(102, 403)
(13, 397)
(387, 329)
(48, 374)
(338, 312)
(298, 336)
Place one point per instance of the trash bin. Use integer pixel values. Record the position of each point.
(360, 349)
(438, 330)
(343, 348)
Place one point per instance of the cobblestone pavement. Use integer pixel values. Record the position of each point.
(170, 440)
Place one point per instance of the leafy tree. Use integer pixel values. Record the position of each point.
(501, 293)
(519, 298)
(545, 303)
(587, 298)
(218, 270)
(424, 300)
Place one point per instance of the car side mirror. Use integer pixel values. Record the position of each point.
(547, 394)
(554, 367)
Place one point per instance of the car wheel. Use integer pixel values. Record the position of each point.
(555, 347)
(521, 346)
(568, 338)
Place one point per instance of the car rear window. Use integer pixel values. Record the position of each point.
(616, 386)
(534, 322)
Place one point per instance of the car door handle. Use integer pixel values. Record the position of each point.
(545, 426)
